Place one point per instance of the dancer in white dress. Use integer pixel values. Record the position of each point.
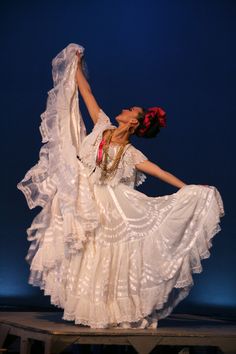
(106, 253)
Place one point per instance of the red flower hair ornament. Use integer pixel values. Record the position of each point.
(151, 120)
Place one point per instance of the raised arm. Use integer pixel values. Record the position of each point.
(86, 92)
(154, 170)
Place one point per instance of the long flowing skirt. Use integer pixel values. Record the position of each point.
(139, 260)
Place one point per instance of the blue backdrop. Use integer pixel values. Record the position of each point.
(179, 54)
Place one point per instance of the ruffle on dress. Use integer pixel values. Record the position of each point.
(144, 272)
(59, 174)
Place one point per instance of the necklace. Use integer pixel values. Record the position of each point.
(108, 171)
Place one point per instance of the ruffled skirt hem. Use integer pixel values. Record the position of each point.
(156, 302)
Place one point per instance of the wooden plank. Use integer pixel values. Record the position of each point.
(144, 345)
(25, 345)
(57, 334)
(3, 333)
(56, 344)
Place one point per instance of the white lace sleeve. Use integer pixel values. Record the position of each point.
(139, 157)
(132, 157)
(103, 119)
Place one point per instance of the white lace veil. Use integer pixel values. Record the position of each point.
(58, 169)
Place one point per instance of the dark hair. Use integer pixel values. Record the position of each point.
(153, 129)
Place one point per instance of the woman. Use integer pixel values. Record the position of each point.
(131, 121)
(107, 254)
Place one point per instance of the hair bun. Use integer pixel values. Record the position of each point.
(151, 120)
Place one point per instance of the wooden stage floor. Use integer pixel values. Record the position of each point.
(183, 330)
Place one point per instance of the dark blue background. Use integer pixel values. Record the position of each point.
(178, 54)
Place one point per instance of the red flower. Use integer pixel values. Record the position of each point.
(153, 114)
(159, 113)
(146, 121)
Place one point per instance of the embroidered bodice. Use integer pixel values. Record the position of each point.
(126, 172)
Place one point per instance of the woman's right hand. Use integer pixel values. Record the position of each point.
(80, 56)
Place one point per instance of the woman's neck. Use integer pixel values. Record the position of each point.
(121, 134)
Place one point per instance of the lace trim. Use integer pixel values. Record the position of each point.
(58, 171)
(134, 156)
(90, 144)
(126, 172)
(159, 299)
(162, 308)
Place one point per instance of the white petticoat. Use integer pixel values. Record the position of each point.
(139, 260)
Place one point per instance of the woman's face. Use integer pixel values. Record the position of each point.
(129, 116)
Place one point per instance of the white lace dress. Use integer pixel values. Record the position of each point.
(139, 259)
